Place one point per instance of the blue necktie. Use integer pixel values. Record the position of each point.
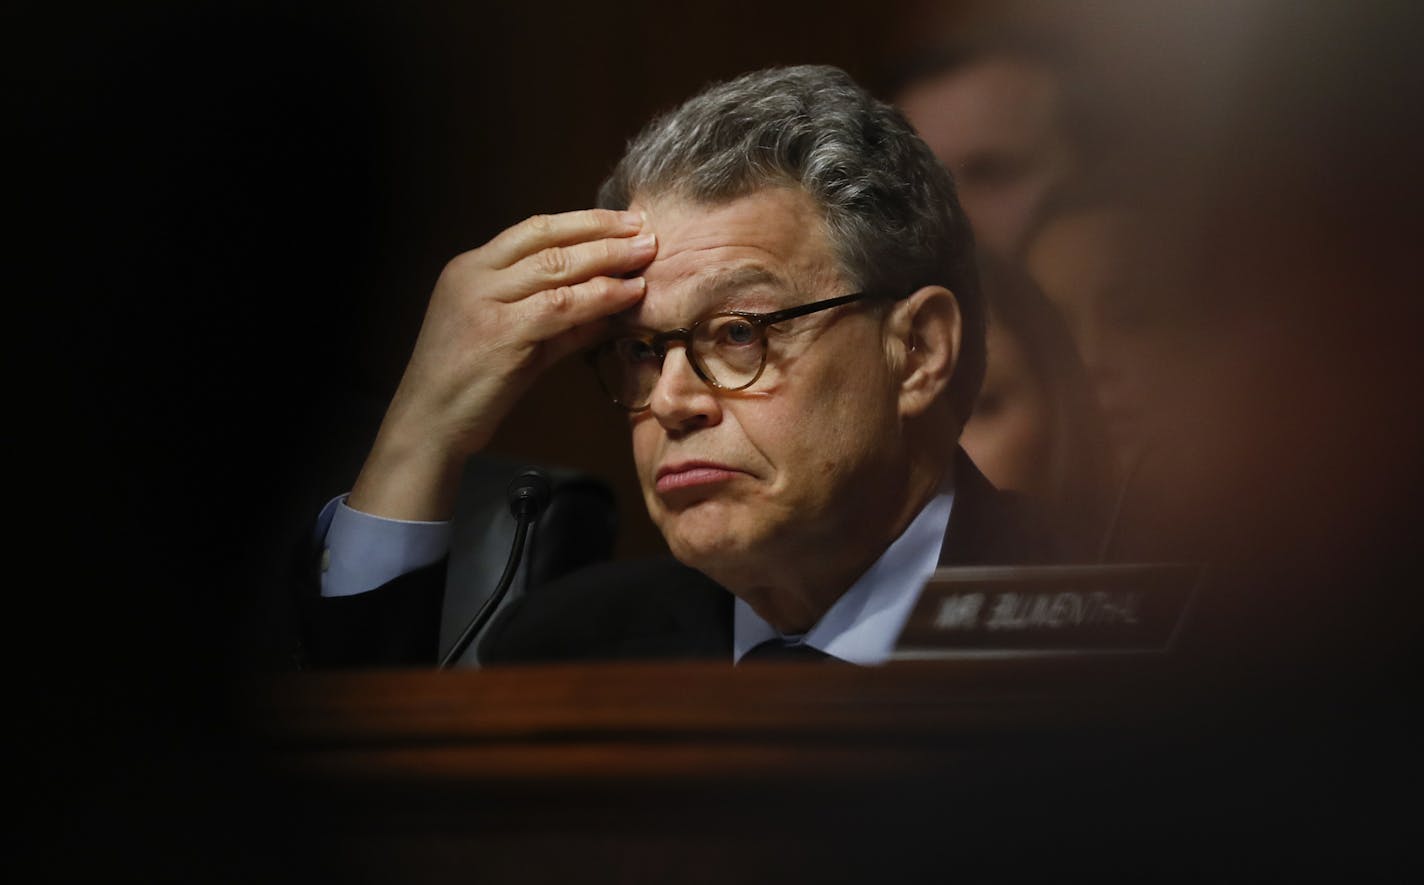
(777, 649)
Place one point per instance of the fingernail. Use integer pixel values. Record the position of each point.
(632, 219)
(644, 241)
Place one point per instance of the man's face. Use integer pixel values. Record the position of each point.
(743, 482)
(995, 125)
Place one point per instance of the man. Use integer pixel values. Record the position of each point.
(779, 289)
(996, 112)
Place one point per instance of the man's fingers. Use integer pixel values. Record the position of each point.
(541, 232)
(555, 311)
(574, 340)
(570, 265)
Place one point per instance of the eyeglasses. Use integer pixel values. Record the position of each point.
(726, 350)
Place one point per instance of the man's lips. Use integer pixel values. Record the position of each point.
(692, 474)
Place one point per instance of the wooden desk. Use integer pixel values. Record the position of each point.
(705, 773)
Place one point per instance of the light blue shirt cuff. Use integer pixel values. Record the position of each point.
(361, 552)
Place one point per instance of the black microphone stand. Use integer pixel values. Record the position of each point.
(528, 496)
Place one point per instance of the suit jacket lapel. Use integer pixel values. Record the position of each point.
(987, 526)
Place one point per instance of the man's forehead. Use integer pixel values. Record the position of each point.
(737, 287)
(757, 252)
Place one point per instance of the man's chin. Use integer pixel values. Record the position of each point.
(701, 551)
(714, 548)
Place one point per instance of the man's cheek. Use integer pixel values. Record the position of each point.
(643, 456)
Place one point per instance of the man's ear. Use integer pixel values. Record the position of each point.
(924, 332)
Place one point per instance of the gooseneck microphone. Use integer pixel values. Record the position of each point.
(528, 496)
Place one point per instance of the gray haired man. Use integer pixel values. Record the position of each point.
(779, 289)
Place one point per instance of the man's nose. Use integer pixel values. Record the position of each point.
(680, 399)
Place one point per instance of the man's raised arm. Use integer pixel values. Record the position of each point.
(499, 315)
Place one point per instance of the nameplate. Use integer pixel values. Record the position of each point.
(1029, 610)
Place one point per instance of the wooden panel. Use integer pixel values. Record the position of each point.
(708, 771)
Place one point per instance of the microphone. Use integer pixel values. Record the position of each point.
(529, 494)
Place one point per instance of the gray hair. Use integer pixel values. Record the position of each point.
(889, 206)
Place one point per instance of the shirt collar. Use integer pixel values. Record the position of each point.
(862, 626)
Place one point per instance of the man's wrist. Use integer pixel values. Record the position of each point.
(363, 551)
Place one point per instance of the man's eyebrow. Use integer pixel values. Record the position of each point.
(719, 290)
(716, 291)
(725, 282)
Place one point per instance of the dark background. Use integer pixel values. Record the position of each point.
(235, 213)
(229, 215)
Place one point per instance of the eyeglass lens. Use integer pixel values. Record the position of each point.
(726, 351)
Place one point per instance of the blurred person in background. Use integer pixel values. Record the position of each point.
(1036, 428)
(1271, 258)
(1080, 259)
(995, 109)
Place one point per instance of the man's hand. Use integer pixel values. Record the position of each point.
(499, 316)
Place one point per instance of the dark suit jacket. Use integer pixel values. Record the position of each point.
(656, 608)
